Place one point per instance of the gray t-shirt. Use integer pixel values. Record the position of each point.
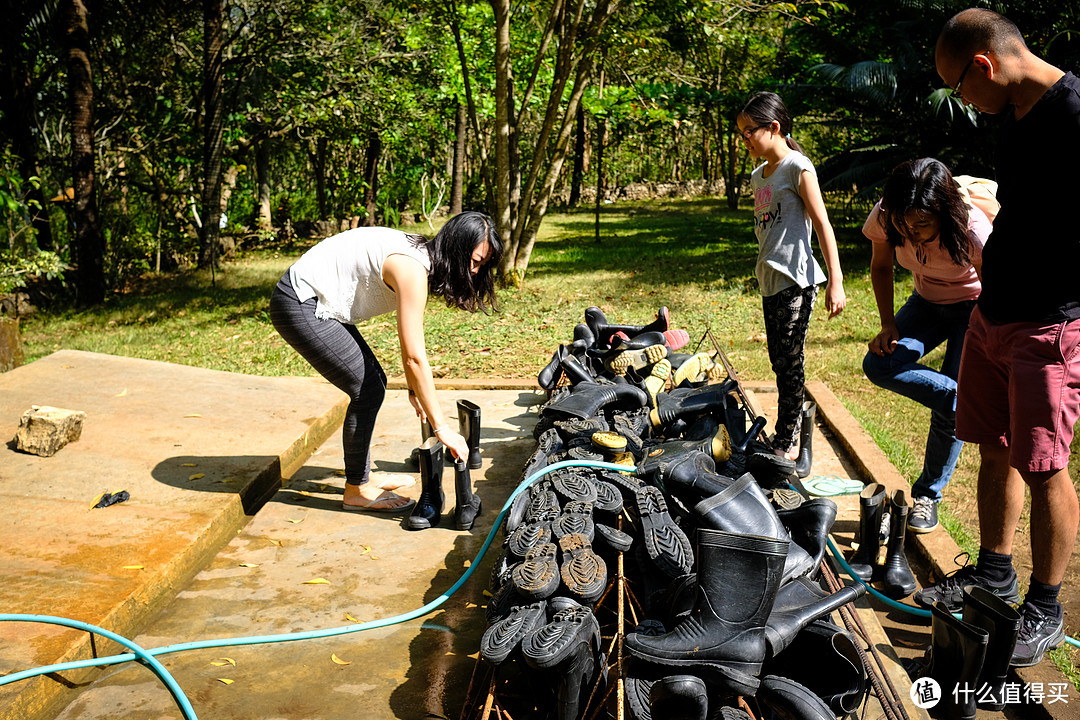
(783, 227)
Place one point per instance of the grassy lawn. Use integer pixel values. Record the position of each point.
(694, 256)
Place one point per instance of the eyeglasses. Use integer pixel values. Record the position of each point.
(750, 131)
(956, 90)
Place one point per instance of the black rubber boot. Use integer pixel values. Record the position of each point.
(871, 509)
(724, 635)
(1001, 621)
(806, 436)
(836, 674)
(742, 508)
(897, 580)
(799, 603)
(425, 433)
(663, 459)
(586, 400)
(690, 402)
(468, 503)
(469, 426)
(680, 697)
(549, 375)
(604, 331)
(677, 468)
(957, 654)
(429, 505)
(809, 525)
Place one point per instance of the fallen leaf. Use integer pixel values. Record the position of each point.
(187, 464)
(316, 581)
(196, 476)
(223, 661)
(226, 681)
(133, 567)
(193, 415)
(227, 480)
(276, 542)
(122, 393)
(248, 565)
(295, 521)
(351, 618)
(339, 661)
(365, 549)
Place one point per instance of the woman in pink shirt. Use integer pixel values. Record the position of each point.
(925, 222)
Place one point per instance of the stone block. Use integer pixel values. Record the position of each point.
(43, 430)
(11, 349)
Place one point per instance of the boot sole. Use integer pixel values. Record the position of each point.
(665, 542)
(499, 640)
(583, 572)
(637, 359)
(538, 577)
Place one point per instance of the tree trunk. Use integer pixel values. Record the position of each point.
(706, 146)
(485, 171)
(263, 219)
(577, 176)
(457, 184)
(371, 178)
(601, 140)
(318, 163)
(502, 136)
(89, 243)
(213, 127)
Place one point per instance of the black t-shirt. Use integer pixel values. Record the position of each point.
(1031, 262)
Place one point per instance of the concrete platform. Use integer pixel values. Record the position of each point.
(185, 559)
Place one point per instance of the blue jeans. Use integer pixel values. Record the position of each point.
(923, 326)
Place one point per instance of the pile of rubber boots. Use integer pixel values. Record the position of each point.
(719, 553)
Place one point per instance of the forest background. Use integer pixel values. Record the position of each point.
(162, 162)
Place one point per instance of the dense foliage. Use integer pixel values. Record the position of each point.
(379, 111)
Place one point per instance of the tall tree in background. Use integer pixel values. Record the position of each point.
(213, 130)
(521, 202)
(89, 242)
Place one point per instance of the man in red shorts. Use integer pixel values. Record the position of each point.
(1018, 394)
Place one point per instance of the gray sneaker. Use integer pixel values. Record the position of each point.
(950, 590)
(1038, 633)
(923, 515)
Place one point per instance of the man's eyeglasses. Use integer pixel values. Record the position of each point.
(750, 131)
(956, 90)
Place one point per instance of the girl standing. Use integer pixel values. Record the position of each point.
(364, 272)
(787, 204)
(923, 221)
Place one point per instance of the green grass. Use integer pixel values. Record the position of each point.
(694, 256)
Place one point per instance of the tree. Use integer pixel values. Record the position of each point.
(89, 241)
(575, 37)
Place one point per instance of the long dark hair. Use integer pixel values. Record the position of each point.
(926, 184)
(451, 253)
(767, 107)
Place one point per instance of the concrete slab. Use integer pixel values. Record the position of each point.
(183, 443)
(304, 564)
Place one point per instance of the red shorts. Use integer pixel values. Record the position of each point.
(1019, 387)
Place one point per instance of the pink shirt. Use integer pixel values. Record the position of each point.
(937, 278)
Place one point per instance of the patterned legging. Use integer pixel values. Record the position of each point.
(340, 354)
(787, 319)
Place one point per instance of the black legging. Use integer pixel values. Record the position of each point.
(787, 320)
(340, 354)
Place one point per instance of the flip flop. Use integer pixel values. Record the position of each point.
(377, 505)
(392, 481)
(830, 485)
